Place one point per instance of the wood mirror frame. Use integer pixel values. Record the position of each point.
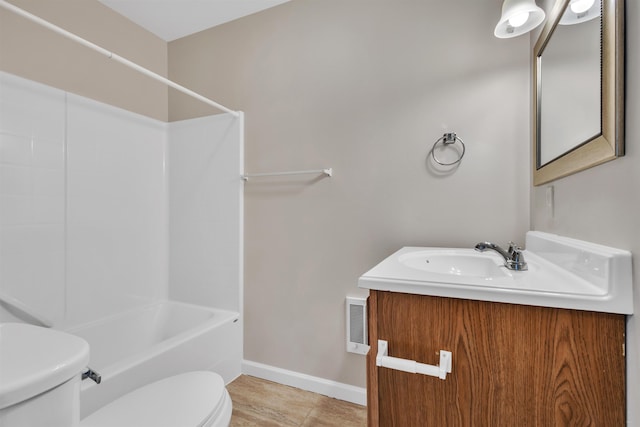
(609, 144)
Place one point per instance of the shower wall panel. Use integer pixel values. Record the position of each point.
(205, 164)
(117, 230)
(84, 206)
(32, 197)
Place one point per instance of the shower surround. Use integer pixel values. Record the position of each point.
(103, 211)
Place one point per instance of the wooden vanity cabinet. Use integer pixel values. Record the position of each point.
(513, 365)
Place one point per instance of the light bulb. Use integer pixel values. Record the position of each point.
(519, 19)
(581, 6)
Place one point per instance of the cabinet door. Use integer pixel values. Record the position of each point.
(513, 365)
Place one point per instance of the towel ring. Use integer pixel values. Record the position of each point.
(448, 139)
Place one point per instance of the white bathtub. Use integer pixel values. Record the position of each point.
(135, 348)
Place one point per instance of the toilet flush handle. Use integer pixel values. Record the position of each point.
(92, 375)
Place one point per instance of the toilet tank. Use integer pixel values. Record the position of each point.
(40, 372)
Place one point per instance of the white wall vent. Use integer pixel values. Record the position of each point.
(357, 334)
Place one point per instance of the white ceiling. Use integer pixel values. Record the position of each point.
(173, 19)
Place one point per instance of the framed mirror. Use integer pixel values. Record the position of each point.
(578, 82)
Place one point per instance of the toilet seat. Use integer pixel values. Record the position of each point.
(192, 399)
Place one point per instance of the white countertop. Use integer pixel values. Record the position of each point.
(562, 273)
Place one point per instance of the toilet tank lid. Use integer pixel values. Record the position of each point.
(188, 399)
(34, 359)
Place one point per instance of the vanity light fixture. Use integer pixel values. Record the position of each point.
(580, 11)
(518, 17)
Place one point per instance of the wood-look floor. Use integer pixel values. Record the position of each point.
(258, 402)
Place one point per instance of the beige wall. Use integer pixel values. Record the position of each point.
(365, 87)
(602, 204)
(35, 53)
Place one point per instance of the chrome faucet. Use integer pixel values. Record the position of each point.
(513, 258)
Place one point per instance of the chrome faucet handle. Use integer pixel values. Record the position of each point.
(516, 261)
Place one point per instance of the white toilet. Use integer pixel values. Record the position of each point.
(40, 371)
(193, 399)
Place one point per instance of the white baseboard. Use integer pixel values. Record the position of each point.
(349, 393)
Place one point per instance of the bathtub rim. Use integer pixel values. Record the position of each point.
(220, 317)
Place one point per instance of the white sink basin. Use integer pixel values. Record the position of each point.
(563, 273)
(457, 262)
